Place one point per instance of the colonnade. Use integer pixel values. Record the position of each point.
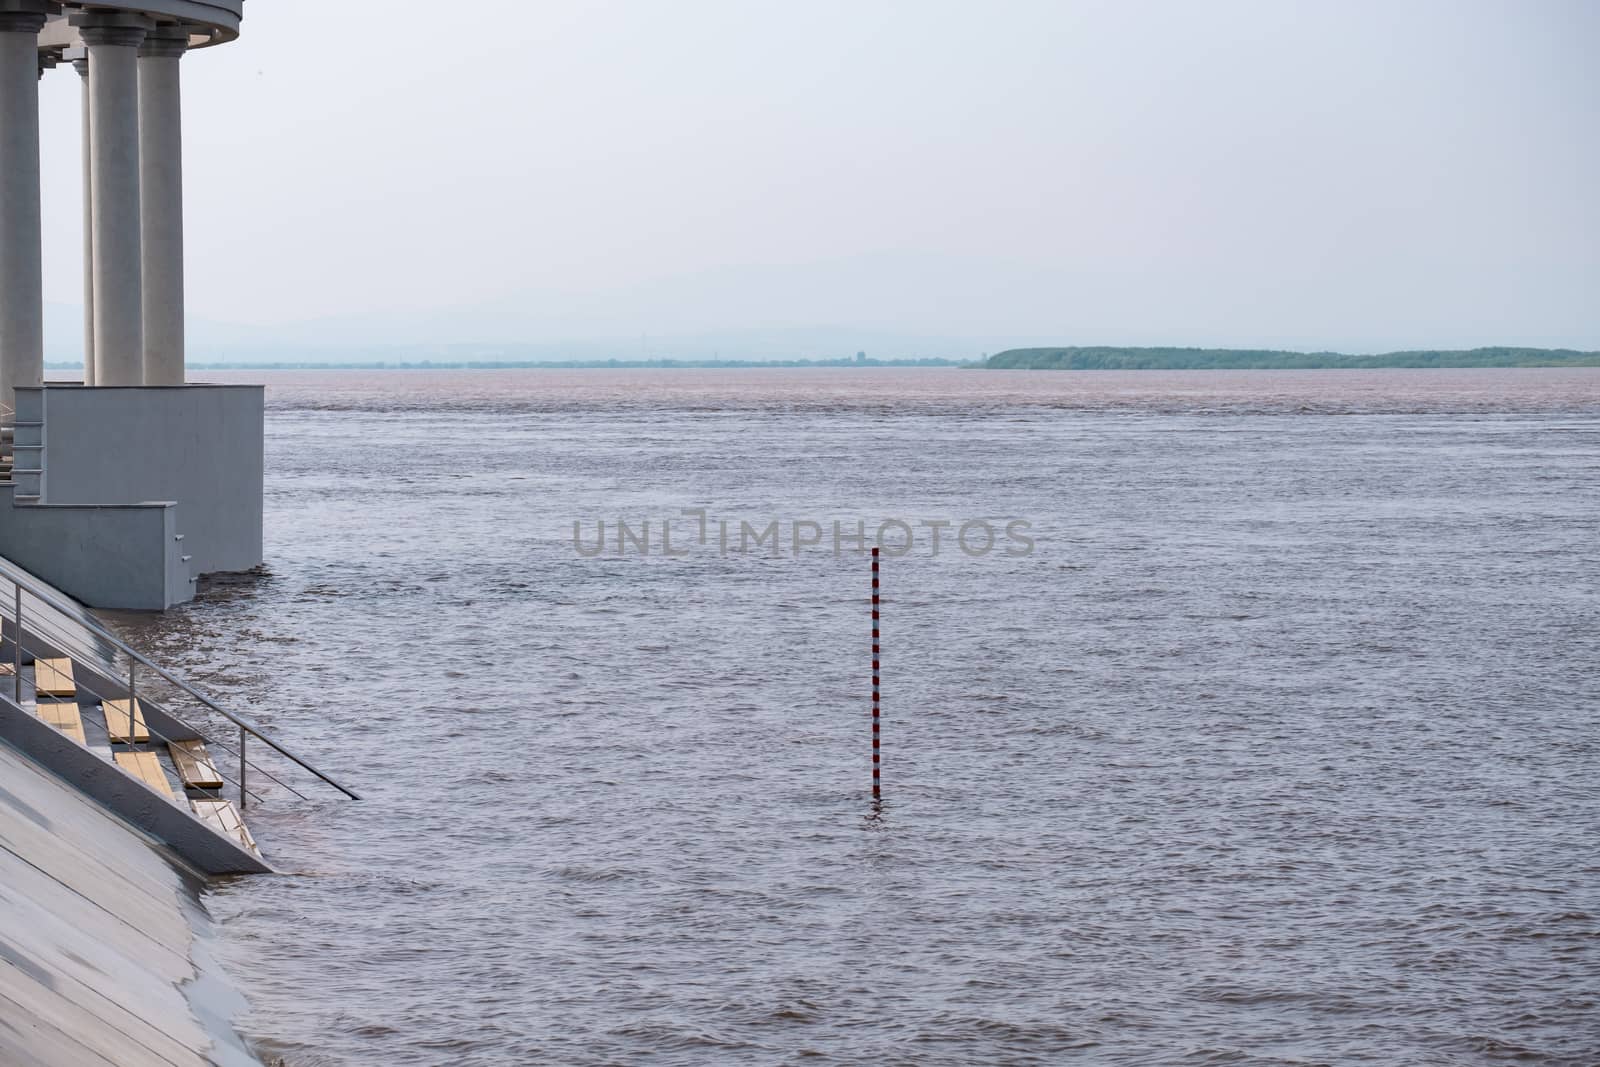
(133, 195)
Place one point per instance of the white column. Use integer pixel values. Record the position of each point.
(82, 67)
(161, 198)
(21, 269)
(113, 41)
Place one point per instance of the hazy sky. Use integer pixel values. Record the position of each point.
(1350, 175)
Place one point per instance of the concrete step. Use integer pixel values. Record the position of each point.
(194, 764)
(145, 766)
(224, 818)
(52, 677)
(121, 728)
(64, 716)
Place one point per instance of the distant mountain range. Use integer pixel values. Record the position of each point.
(1101, 358)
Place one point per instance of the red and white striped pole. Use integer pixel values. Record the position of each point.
(875, 790)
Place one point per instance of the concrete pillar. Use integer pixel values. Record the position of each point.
(113, 40)
(161, 198)
(21, 269)
(82, 67)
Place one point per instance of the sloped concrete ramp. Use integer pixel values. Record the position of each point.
(97, 939)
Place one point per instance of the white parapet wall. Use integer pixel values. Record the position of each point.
(124, 496)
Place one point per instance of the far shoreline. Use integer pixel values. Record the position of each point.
(1033, 359)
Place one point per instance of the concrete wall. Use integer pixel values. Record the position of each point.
(198, 445)
(111, 556)
(70, 625)
(97, 939)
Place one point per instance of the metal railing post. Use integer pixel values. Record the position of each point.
(16, 665)
(243, 793)
(132, 663)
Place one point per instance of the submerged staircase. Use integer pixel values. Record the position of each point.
(72, 699)
(121, 736)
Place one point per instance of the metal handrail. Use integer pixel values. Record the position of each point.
(155, 731)
(22, 581)
(70, 646)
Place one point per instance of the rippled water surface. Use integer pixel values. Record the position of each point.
(1283, 745)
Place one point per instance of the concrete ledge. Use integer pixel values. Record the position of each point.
(123, 795)
(211, 22)
(107, 555)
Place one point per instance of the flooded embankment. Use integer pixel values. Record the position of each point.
(102, 941)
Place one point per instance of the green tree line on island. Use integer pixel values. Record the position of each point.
(1105, 358)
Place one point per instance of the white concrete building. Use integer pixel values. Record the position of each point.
(129, 58)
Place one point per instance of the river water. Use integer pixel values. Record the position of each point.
(1280, 746)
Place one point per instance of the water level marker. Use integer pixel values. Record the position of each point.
(876, 792)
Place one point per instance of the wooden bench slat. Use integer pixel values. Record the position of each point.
(146, 767)
(224, 818)
(66, 718)
(53, 678)
(117, 722)
(195, 765)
